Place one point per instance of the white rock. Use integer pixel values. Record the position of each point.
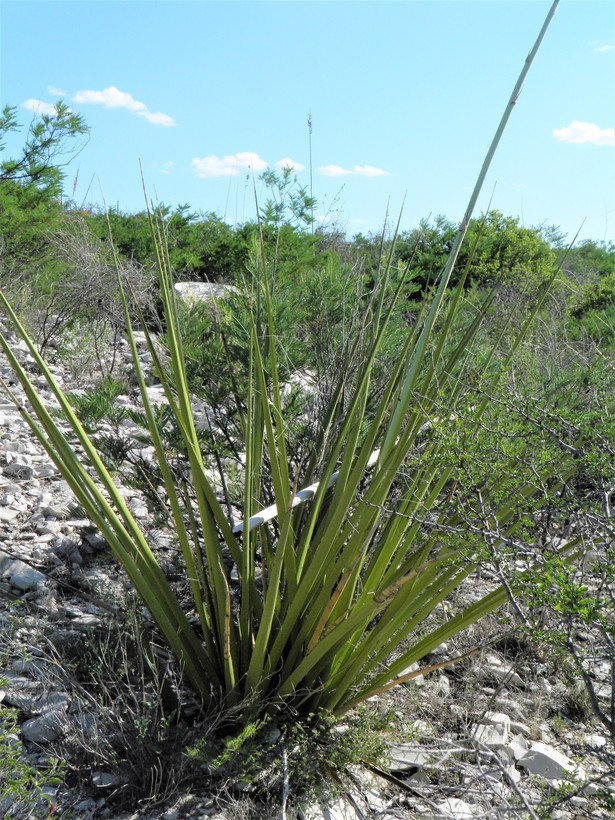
(45, 470)
(156, 396)
(518, 746)
(48, 527)
(26, 578)
(443, 685)
(138, 508)
(106, 780)
(376, 800)
(14, 489)
(146, 453)
(45, 728)
(495, 736)
(22, 447)
(421, 728)
(192, 292)
(520, 728)
(87, 620)
(58, 510)
(420, 778)
(16, 457)
(23, 472)
(129, 427)
(597, 741)
(593, 788)
(505, 674)
(402, 756)
(22, 693)
(549, 763)
(340, 809)
(454, 807)
(514, 774)
(497, 719)
(418, 681)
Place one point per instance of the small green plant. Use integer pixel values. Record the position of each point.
(24, 789)
(95, 405)
(242, 755)
(359, 740)
(557, 794)
(293, 756)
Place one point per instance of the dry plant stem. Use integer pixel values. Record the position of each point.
(607, 720)
(452, 259)
(492, 538)
(606, 498)
(494, 759)
(285, 783)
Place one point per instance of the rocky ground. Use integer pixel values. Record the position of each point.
(495, 736)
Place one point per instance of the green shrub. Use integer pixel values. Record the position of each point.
(24, 789)
(302, 610)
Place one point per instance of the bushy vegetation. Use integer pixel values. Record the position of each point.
(446, 395)
(25, 790)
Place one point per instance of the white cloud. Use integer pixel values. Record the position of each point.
(228, 166)
(356, 170)
(580, 132)
(369, 171)
(166, 167)
(56, 92)
(605, 47)
(289, 163)
(334, 171)
(157, 118)
(39, 107)
(112, 97)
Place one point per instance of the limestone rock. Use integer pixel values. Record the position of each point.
(545, 761)
(26, 578)
(455, 808)
(15, 469)
(106, 780)
(192, 292)
(405, 756)
(505, 674)
(518, 746)
(495, 735)
(45, 728)
(21, 692)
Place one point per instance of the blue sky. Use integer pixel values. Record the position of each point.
(404, 99)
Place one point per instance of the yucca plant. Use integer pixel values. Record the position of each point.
(301, 607)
